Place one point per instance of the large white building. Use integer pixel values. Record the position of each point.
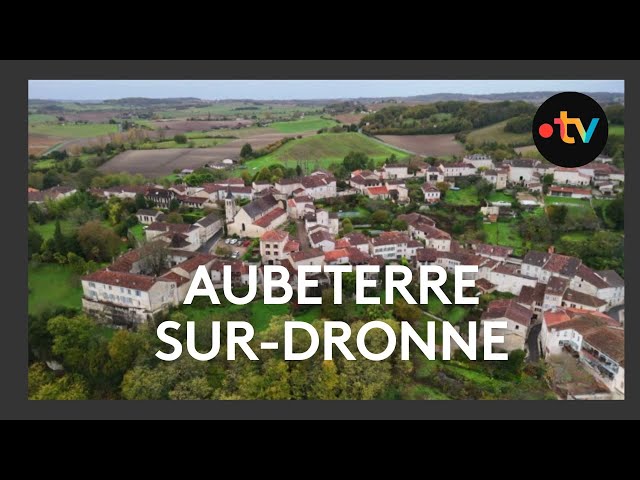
(394, 246)
(595, 337)
(126, 299)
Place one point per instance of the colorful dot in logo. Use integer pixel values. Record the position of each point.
(545, 130)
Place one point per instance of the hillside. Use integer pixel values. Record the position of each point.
(325, 149)
(496, 133)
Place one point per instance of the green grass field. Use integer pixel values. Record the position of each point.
(52, 285)
(303, 125)
(71, 130)
(46, 230)
(138, 232)
(35, 118)
(496, 133)
(616, 129)
(500, 197)
(568, 201)
(324, 149)
(503, 233)
(463, 197)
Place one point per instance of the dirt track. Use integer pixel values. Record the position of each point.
(155, 163)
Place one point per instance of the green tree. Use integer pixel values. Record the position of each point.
(557, 214)
(193, 389)
(98, 242)
(355, 161)
(180, 138)
(327, 384)
(124, 347)
(174, 217)
(140, 201)
(34, 242)
(347, 226)
(73, 338)
(144, 383)
(174, 205)
(299, 171)
(443, 187)
(483, 189)
(44, 385)
(380, 217)
(615, 212)
(399, 225)
(59, 240)
(246, 151)
(547, 181)
(406, 312)
(51, 179)
(329, 309)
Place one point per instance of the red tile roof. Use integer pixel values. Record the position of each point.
(274, 236)
(508, 309)
(270, 217)
(378, 190)
(122, 279)
(335, 255)
(291, 246)
(577, 191)
(174, 277)
(193, 263)
(307, 254)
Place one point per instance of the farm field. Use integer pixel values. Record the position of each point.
(325, 149)
(38, 144)
(496, 133)
(72, 130)
(303, 125)
(201, 142)
(349, 118)
(35, 118)
(161, 162)
(237, 109)
(426, 145)
(52, 285)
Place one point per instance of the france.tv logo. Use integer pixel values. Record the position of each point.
(570, 129)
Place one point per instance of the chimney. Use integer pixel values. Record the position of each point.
(551, 249)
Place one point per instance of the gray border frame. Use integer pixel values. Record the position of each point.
(13, 352)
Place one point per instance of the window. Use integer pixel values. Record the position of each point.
(109, 287)
(92, 285)
(517, 327)
(129, 291)
(137, 293)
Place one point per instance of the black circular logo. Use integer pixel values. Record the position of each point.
(570, 129)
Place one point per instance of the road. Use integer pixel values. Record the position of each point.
(532, 343)
(303, 239)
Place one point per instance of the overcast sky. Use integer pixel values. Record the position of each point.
(298, 89)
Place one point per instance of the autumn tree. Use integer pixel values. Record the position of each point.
(154, 257)
(98, 242)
